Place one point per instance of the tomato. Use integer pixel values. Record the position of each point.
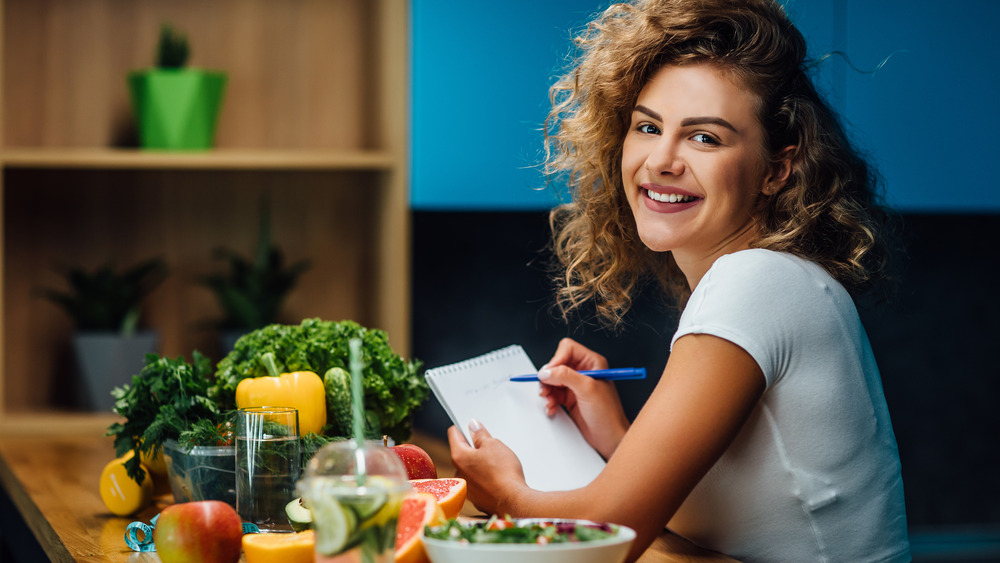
(501, 524)
(226, 435)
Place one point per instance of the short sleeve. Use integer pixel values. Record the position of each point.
(756, 299)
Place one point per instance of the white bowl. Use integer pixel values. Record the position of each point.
(610, 550)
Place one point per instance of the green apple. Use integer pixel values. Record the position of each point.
(207, 531)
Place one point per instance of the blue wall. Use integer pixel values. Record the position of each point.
(481, 73)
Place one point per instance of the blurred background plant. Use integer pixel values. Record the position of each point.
(172, 50)
(252, 290)
(107, 300)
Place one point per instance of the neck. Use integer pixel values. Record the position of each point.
(695, 263)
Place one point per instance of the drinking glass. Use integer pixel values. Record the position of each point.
(354, 493)
(267, 465)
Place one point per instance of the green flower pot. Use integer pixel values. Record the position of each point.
(177, 109)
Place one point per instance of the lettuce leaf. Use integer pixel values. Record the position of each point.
(393, 387)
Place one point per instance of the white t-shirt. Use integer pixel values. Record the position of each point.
(815, 474)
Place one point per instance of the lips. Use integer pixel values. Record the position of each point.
(667, 199)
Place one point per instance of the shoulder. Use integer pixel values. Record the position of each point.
(762, 262)
(759, 273)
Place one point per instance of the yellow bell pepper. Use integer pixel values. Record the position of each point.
(302, 390)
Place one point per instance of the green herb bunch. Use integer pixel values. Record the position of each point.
(164, 400)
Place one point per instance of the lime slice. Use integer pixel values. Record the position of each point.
(333, 524)
(389, 511)
(369, 504)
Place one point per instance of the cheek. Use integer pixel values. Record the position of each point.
(631, 162)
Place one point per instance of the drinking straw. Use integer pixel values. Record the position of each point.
(357, 401)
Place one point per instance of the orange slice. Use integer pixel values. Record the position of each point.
(418, 510)
(279, 548)
(449, 492)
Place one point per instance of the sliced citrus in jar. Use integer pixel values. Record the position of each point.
(332, 523)
(368, 503)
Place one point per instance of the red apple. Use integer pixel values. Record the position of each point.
(207, 531)
(418, 464)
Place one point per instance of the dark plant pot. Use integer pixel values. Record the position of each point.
(177, 109)
(228, 338)
(107, 360)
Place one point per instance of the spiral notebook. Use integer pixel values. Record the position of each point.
(553, 452)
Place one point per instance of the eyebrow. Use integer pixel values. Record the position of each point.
(688, 121)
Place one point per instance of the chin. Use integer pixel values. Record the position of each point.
(656, 241)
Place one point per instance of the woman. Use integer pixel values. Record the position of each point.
(701, 156)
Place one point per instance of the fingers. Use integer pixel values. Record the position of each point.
(457, 441)
(478, 432)
(562, 376)
(577, 356)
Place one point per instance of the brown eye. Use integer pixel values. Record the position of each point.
(705, 138)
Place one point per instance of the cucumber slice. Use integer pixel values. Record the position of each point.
(299, 516)
(333, 524)
(369, 505)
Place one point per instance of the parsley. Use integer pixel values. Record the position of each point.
(165, 399)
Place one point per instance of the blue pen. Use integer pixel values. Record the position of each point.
(614, 373)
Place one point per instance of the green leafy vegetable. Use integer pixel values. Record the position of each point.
(393, 387)
(165, 399)
(507, 530)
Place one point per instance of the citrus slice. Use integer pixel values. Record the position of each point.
(417, 510)
(369, 503)
(287, 548)
(450, 493)
(333, 524)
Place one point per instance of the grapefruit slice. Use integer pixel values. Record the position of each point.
(418, 510)
(450, 493)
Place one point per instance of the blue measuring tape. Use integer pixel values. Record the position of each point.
(135, 543)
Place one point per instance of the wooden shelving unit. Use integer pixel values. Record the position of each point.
(314, 121)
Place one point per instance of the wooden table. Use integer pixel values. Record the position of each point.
(50, 472)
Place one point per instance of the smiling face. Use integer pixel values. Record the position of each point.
(693, 166)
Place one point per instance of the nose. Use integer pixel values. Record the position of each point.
(663, 159)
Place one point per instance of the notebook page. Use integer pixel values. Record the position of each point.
(552, 451)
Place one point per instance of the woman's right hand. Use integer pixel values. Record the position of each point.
(592, 404)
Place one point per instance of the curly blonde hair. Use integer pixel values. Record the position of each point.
(828, 211)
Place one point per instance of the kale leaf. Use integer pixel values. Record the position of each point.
(393, 387)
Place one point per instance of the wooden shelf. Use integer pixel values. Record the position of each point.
(313, 122)
(218, 159)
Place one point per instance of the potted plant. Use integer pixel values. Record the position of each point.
(176, 107)
(250, 291)
(105, 306)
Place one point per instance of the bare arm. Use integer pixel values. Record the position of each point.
(708, 390)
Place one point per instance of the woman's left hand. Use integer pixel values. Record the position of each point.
(491, 470)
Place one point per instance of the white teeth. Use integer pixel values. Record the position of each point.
(669, 198)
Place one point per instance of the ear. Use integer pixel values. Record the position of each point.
(781, 169)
